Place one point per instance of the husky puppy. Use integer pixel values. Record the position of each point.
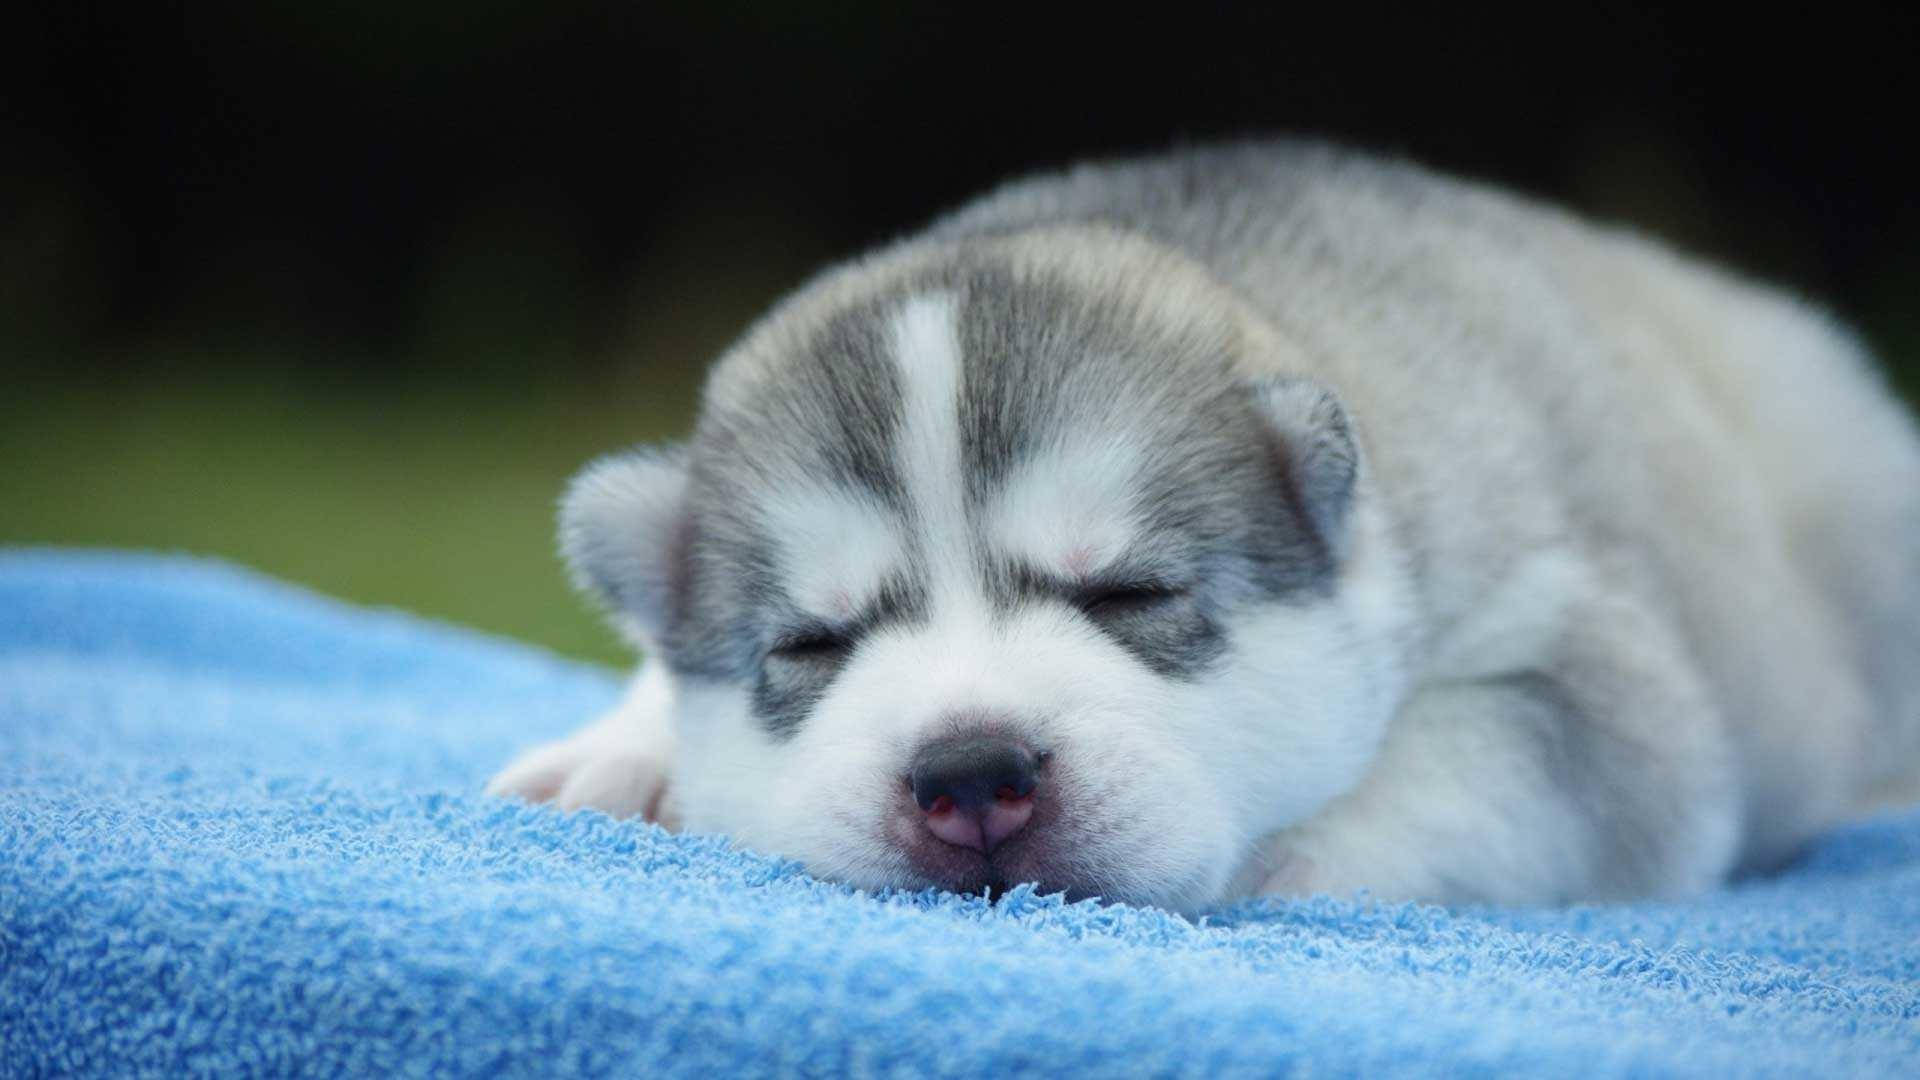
(1264, 518)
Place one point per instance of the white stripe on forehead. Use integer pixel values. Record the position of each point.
(927, 350)
(836, 550)
(1069, 511)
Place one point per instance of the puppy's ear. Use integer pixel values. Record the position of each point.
(621, 522)
(1318, 455)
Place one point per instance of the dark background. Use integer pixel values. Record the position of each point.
(344, 291)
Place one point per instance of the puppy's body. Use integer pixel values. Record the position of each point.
(1461, 551)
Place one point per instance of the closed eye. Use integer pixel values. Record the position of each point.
(1114, 601)
(816, 646)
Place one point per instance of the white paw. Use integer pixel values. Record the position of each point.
(602, 768)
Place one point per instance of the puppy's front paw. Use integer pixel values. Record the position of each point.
(602, 768)
(1299, 872)
(1291, 874)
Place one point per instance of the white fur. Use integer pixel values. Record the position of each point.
(1071, 508)
(927, 353)
(1153, 825)
(1514, 622)
(1170, 783)
(1628, 592)
(620, 764)
(835, 550)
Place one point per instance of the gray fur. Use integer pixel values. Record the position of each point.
(623, 534)
(1661, 528)
(1041, 359)
(1502, 354)
(1313, 441)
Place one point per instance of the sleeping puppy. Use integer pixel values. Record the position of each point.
(1264, 519)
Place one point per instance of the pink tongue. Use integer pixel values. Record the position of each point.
(1002, 819)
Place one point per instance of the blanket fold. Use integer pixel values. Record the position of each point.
(241, 831)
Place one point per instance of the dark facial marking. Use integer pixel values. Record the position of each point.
(829, 409)
(801, 662)
(1041, 359)
(852, 379)
(1167, 626)
(1171, 632)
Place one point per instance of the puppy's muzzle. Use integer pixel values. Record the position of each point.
(976, 791)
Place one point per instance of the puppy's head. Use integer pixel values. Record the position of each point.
(992, 564)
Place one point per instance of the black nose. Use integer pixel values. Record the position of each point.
(972, 771)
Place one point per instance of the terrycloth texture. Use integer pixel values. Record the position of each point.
(240, 831)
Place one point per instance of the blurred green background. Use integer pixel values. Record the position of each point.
(345, 293)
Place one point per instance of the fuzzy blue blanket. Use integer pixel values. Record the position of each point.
(240, 832)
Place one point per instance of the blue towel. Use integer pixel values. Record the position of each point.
(241, 832)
